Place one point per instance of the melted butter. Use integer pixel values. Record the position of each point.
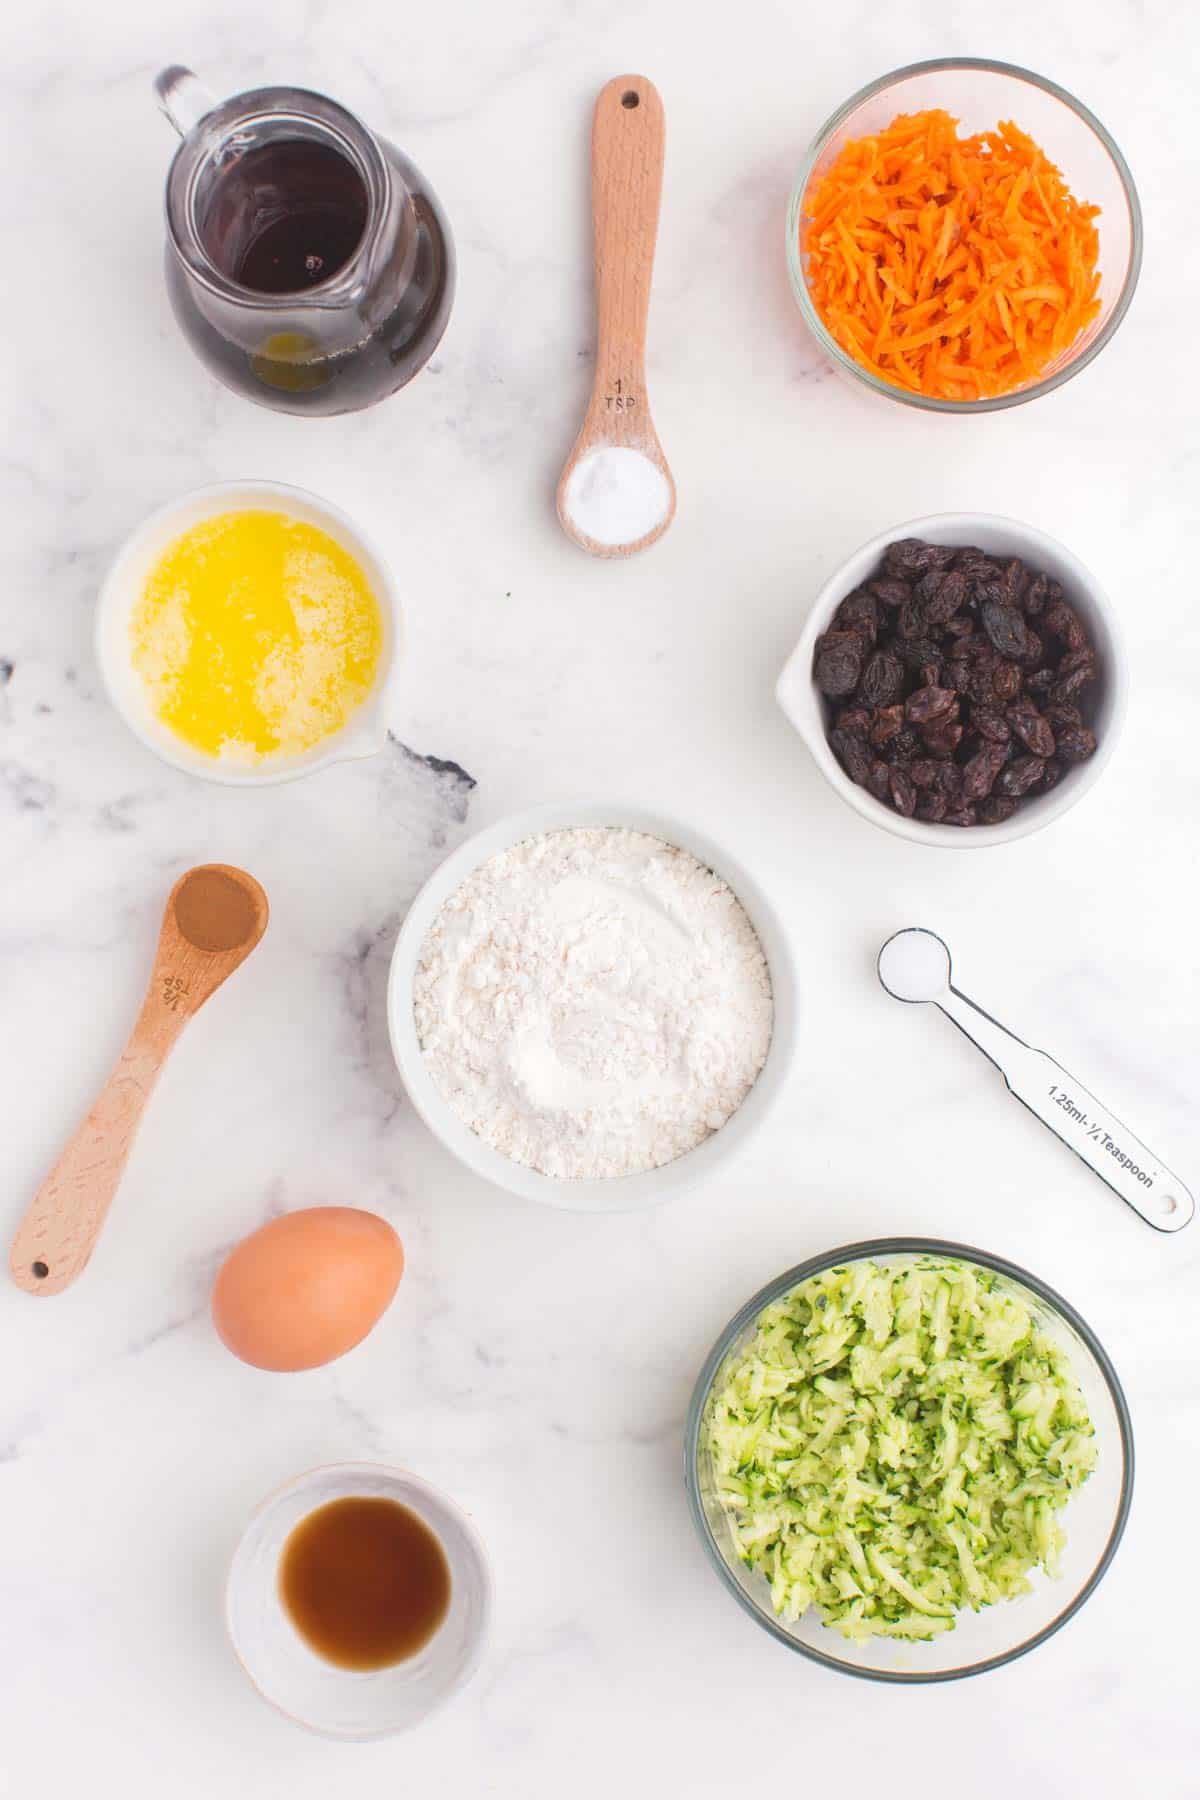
(256, 635)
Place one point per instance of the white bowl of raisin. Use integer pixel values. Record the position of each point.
(960, 680)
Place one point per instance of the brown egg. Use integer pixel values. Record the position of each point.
(307, 1287)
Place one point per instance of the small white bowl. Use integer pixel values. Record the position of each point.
(619, 1193)
(344, 1703)
(805, 707)
(363, 735)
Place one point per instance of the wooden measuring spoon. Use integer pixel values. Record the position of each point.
(214, 917)
(616, 493)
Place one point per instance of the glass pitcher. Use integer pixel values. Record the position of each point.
(308, 260)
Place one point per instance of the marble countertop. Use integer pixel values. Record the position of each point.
(538, 1364)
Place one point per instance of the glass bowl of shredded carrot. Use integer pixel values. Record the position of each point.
(963, 236)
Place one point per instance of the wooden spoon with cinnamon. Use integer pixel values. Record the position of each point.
(214, 917)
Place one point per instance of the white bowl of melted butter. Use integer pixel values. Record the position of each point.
(250, 633)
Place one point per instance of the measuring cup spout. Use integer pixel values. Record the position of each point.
(183, 97)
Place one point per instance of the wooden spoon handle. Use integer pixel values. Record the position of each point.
(59, 1231)
(628, 140)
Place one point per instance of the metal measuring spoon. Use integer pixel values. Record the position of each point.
(914, 966)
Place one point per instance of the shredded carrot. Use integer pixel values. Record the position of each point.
(960, 268)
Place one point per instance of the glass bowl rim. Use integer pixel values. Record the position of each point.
(859, 1252)
(929, 402)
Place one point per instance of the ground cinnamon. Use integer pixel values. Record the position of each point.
(214, 911)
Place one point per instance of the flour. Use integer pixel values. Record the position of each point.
(615, 495)
(593, 1002)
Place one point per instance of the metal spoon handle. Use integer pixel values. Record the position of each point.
(1128, 1166)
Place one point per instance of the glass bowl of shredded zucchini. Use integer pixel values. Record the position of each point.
(909, 1460)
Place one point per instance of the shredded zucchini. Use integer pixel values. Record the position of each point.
(895, 1444)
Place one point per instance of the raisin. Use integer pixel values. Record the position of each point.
(1065, 623)
(1052, 774)
(931, 807)
(950, 596)
(904, 747)
(982, 770)
(961, 814)
(887, 724)
(976, 565)
(916, 653)
(1066, 689)
(1066, 714)
(889, 591)
(910, 557)
(882, 680)
(1036, 595)
(1005, 628)
(907, 557)
(1019, 776)
(1074, 743)
(980, 684)
(1078, 659)
(942, 739)
(879, 778)
(1006, 681)
(838, 663)
(930, 706)
(990, 724)
(1034, 731)
(996, 809)
(853, 755)
(937, 775)
(911, 623)
(1014, 581)
(904, 794)
(858, 612)
(855, 719)
(926, 588)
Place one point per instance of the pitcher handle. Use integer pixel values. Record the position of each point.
(183, 97)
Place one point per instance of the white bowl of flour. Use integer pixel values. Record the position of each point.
(592, 1005)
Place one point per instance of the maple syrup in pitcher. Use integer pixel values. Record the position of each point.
(288, 216)
(308, 261)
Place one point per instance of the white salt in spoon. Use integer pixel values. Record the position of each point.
(616, 494)
(915, 966)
